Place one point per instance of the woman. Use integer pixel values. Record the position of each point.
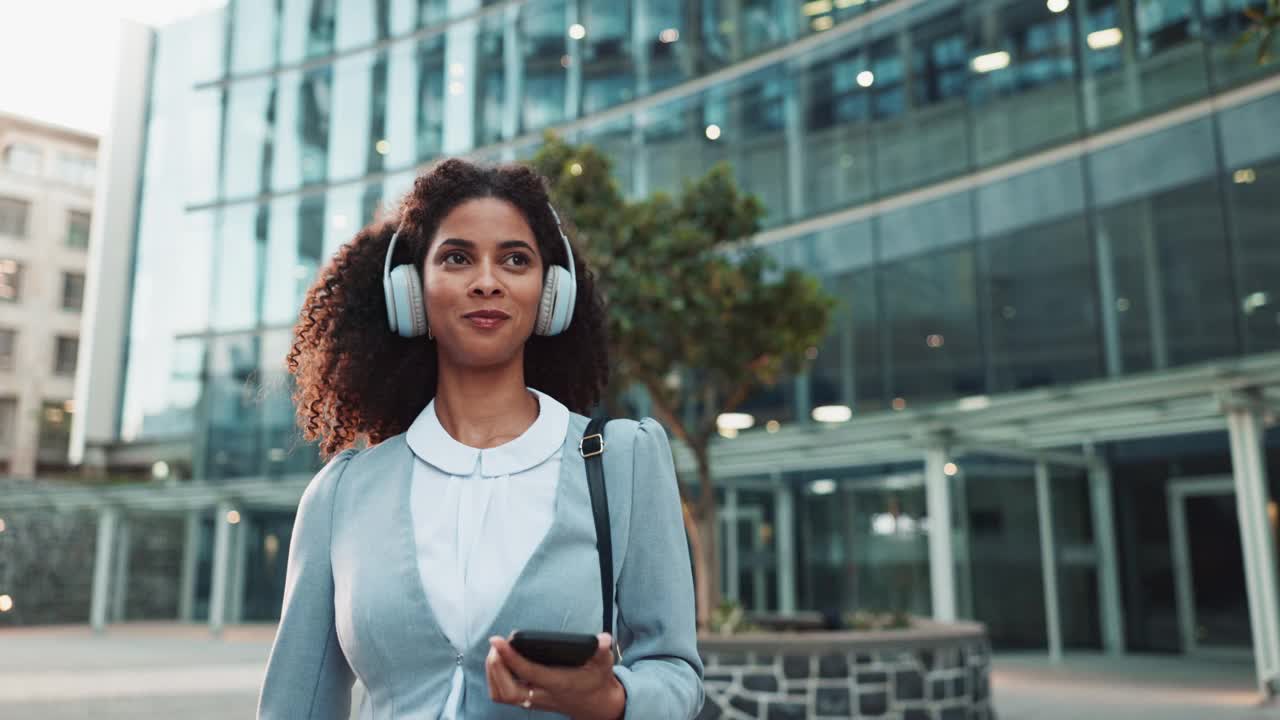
(470, 517)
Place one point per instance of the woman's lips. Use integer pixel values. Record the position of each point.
(486, 322)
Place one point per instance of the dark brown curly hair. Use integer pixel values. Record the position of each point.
(357, 380)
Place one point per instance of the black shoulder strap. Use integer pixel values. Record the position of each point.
(592, 449)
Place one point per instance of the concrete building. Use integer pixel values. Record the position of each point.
(1048, 400)
(46, 199)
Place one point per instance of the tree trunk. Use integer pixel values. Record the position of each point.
(701, 590)
(709, 534)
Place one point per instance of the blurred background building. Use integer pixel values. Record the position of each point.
(46, 201)
(1047, 402)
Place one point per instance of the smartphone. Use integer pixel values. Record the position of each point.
(557, 649)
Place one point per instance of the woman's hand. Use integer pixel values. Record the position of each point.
(589, 692)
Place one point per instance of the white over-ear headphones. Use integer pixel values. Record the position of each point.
(407, 308)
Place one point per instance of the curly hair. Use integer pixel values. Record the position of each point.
(356, 380)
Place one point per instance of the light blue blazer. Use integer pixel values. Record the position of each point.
(354, 605)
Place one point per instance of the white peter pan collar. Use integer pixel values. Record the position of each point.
(435, 446)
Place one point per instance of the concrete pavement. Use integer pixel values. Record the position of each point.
(142, 671)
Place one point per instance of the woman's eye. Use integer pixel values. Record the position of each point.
(451, 257)
(520, 259)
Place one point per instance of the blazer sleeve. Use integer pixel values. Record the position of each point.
(657, 629)
(307, 674)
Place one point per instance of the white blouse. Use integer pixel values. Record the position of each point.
(478, 516)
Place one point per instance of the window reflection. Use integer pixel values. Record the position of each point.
(1252, 193)
(1173, 303)
(1027, 99)
(491, 82)
(932, 316)
(1044, 330)
(313, 123)
(233, 443)
(546, 59)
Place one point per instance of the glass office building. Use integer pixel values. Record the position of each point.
(1051, 226)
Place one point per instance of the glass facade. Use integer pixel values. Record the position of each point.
(1002, 195)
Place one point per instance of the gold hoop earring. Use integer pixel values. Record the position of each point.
(429, 335)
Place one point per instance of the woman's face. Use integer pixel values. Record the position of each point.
(482, 279)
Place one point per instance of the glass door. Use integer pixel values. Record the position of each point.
(1208, 566)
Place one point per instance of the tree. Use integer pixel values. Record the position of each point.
(698, 316)
(1263, 25)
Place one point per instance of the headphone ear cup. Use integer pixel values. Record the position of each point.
(560, 301)
(547, 303)
(410, 310)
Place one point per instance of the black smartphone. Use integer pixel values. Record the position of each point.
(557, 649)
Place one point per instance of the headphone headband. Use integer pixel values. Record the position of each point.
(386, 265)
(393, 295)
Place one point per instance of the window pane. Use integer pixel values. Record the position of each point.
(1224, 23)
(931, 311)
(65, 351)
(72, 291)
(13, 216)
(10, 280)
(241, 241)
(665, 37)
(608, 75)
(1040, 299)
(1141, 56)
(543, 26)
(836, 147)
(352, 100)
(246, 162)
(756, 141)
(491, 82)
(8, 416)
(924, 137)
(1023, 87)
(253, 35)
(1252, 193)
(847, 370)
(234, 426)
(1173, 283)
(55, 434)
(78, 229)
(23, 158)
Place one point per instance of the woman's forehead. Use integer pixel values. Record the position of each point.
(485, 220)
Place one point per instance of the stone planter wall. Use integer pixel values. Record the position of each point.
(932, 672)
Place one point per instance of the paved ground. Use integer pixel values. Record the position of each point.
(144, 672)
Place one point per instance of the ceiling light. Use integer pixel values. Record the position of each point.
(1105, 38)
(1058, 6)
(577, 32)
(866, 78)
(816, 7)
(713, 132)
(735, 421)
(822, 487)
(832, 413)
(990, 62)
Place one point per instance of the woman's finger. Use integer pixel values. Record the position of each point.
(503, 686)
(527, 670)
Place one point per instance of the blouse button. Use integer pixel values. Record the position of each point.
(459, 659)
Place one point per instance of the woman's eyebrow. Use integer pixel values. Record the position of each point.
(468, 245)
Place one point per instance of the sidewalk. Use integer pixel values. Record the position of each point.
(144, 671)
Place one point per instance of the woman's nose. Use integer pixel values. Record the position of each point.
(486, 282)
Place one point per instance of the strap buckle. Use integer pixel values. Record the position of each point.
(599, 448)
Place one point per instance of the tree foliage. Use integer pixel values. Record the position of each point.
(698, 316)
